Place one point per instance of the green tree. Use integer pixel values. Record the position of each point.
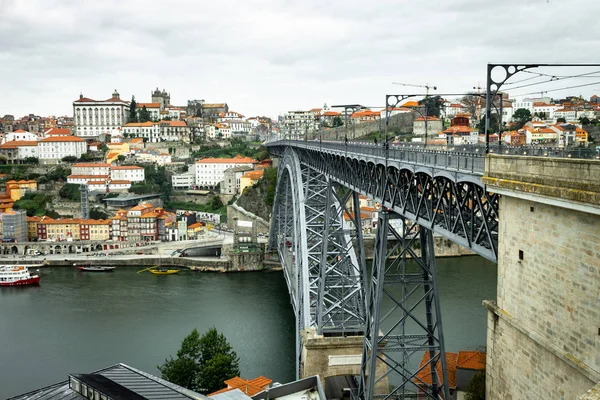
(31, 160)
(337, 121)
(121, 158)
(202, 363)
(58, 174)
(96, 213)
(34, 203)
(85, 157)
(476, 388)
(433, 104)
(521, 117)
(132, 110)
(215, 202)
(494, 124)
(561, 120)
(144, 115)
(69, 159)
(584, 120)
(70, 191)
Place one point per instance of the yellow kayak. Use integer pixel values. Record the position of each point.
(164, 271)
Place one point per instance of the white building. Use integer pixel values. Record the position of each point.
(152, 108)
(210, 171)
(95, 117)
(91, 169)
(569, 114)
(186, 180)
(16, 151)
(131, 173)
(172, 131)
(527, 103)
(145, 130)
(86, 179)
(229, 116)
(239, 126)
(20, 134)
(297, 123)
(546, 108)
(57, 147)
(153, 156)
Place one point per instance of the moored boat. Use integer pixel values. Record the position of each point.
(17, 275)
(92, 268)
(163, 271)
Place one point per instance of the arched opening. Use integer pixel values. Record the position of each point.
(57, 249)
(71, 249)
(14, 250)
(98, 247)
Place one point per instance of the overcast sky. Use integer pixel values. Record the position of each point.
(267, 56)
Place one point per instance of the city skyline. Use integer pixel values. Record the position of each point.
(292, 56)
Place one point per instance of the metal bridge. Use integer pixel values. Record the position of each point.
(317, 230)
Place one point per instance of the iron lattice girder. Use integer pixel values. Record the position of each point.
(454, 205)
(405, 330)
(316, 248)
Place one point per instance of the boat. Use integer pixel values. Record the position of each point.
(17, 275)
(92, 268)
(158, 270)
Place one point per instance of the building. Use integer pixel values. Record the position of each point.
(249, 179)
(54, 148)
(131, 173)
(161, 131)
(14, 226)
(153, 109)
(91, 169)
(149, 131)
(163, 99)
(118, 381)
(172, 131)
(231, 180)
(187, 180)
(299, 123)
(20, 134)
(248, 387)
(96, 117)
(359, 117)
(17, 190)
(210, 171)
(17, 151)
(434, 125)
(153, 156)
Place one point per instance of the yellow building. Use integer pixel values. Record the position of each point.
(63, 229)
(195, 230)
(16, 190)
(32, 227)
(92, 229)
(115, 150)
(249, 179)
(6, 203)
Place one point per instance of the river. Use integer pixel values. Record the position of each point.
(78, 322)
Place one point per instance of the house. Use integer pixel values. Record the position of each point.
(248, 387)
(231, 179)
(250, 178)
(17, 151)
(96, 117)
(429, 125)
(54, 148)
(119, 381)
(210, 171)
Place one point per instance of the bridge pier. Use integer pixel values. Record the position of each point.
(543, 337)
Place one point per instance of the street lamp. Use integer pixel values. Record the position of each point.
(349, 107)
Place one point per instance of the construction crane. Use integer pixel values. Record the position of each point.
(427, 87)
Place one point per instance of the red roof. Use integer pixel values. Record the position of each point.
(63, 139)
(424, 375)
(58, 131)
(236, 160)
(84, 100)
(125, 167)
(18, 143)
(474, 360)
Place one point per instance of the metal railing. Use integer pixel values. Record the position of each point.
(467, 162)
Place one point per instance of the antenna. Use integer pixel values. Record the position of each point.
(427, 87)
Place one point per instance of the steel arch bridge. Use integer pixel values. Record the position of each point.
(317, 229)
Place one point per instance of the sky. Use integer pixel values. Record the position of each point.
(264, 57)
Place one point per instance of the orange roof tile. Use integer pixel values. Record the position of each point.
(174, 123)
(197, 225)
(94, 177)
(120, 182)
(424, 374)
(254, 175)
(471, 360)
(20, 131)
(90, 165)
(235, 160)
(261, 381)
(250, 388)
(138, 124)
(147, 105)
(411, 104)
(62, 139)
(57, 131)
(18, 143)
(124, 167)
(429, 118)
(150, 215)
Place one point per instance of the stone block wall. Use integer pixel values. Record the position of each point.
(544, 330)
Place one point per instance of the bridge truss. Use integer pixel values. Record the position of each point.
(318, 236)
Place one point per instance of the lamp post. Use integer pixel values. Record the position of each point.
(347, 108)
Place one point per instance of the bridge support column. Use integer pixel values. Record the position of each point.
(407, 324)
(543, 338)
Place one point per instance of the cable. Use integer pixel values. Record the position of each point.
(562, 77)
(556, 90)
(522, 80)
(553, 78)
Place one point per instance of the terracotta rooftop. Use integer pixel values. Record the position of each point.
(474, 360)
(235, 160)
(124, 167)
(249, 388)
(62, 139)
(18, 143)
(424, 375)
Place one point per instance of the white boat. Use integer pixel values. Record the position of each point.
(17, 275)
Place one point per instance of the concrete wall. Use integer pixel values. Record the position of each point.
(543, 330)
(178, 150)
(235, 211)
(400, 122)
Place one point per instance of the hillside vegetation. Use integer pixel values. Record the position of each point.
(258, 199)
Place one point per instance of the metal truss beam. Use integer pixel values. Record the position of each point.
(316, 250)
(403, 317)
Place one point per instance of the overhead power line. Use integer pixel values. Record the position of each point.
(556, 90)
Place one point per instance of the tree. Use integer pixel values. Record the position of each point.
(561, 119)
(521, 117)
(31, 160)
(121, 158)
(96, 213)
(215, 202)
(202, 363)
(132, 110)
(584, 120)
(144, 115)
(433, 105)
(337, 121)
(70, 191)
(69, 159)
(476, 388)
(494, 124)
(472, 102)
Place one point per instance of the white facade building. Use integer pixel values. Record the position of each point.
(131, 173)
(20, 134)
(96, 117)
(91, 169)
(297, 123)
(210, 171)
(183, 181)
(545, 108)
(145, 130)
(57, 147)
(16, 151)
(86, 179)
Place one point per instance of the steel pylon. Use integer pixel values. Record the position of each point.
(403, 317)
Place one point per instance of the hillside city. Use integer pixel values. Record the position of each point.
(154, 171)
